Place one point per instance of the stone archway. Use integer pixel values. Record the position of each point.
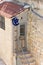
(2, 62)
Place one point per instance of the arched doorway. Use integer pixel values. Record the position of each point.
(2, 62)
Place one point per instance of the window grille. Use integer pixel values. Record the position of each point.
(22, 30)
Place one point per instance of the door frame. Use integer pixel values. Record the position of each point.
(21, 23)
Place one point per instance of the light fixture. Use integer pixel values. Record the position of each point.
(26, 5)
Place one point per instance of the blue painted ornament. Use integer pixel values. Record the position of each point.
(15, 21)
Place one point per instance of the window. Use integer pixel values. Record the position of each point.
(2, 22)
(22, 30)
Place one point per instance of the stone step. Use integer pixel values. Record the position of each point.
(25, 55)
(31, 59)
(28, 63)
(27, 60)
(25, 64)
(21, 57)
(33, 63)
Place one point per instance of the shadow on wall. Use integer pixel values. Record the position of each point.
(2, 62)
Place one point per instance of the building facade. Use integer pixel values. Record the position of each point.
(22, 44)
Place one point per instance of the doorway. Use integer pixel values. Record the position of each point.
(22, 45)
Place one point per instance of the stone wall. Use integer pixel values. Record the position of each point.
(35, 36)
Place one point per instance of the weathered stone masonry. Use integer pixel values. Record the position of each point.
(35, 37)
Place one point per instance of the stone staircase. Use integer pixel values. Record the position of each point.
(27, 59)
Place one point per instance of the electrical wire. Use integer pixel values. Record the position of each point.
(32, 9)
(37, 14)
